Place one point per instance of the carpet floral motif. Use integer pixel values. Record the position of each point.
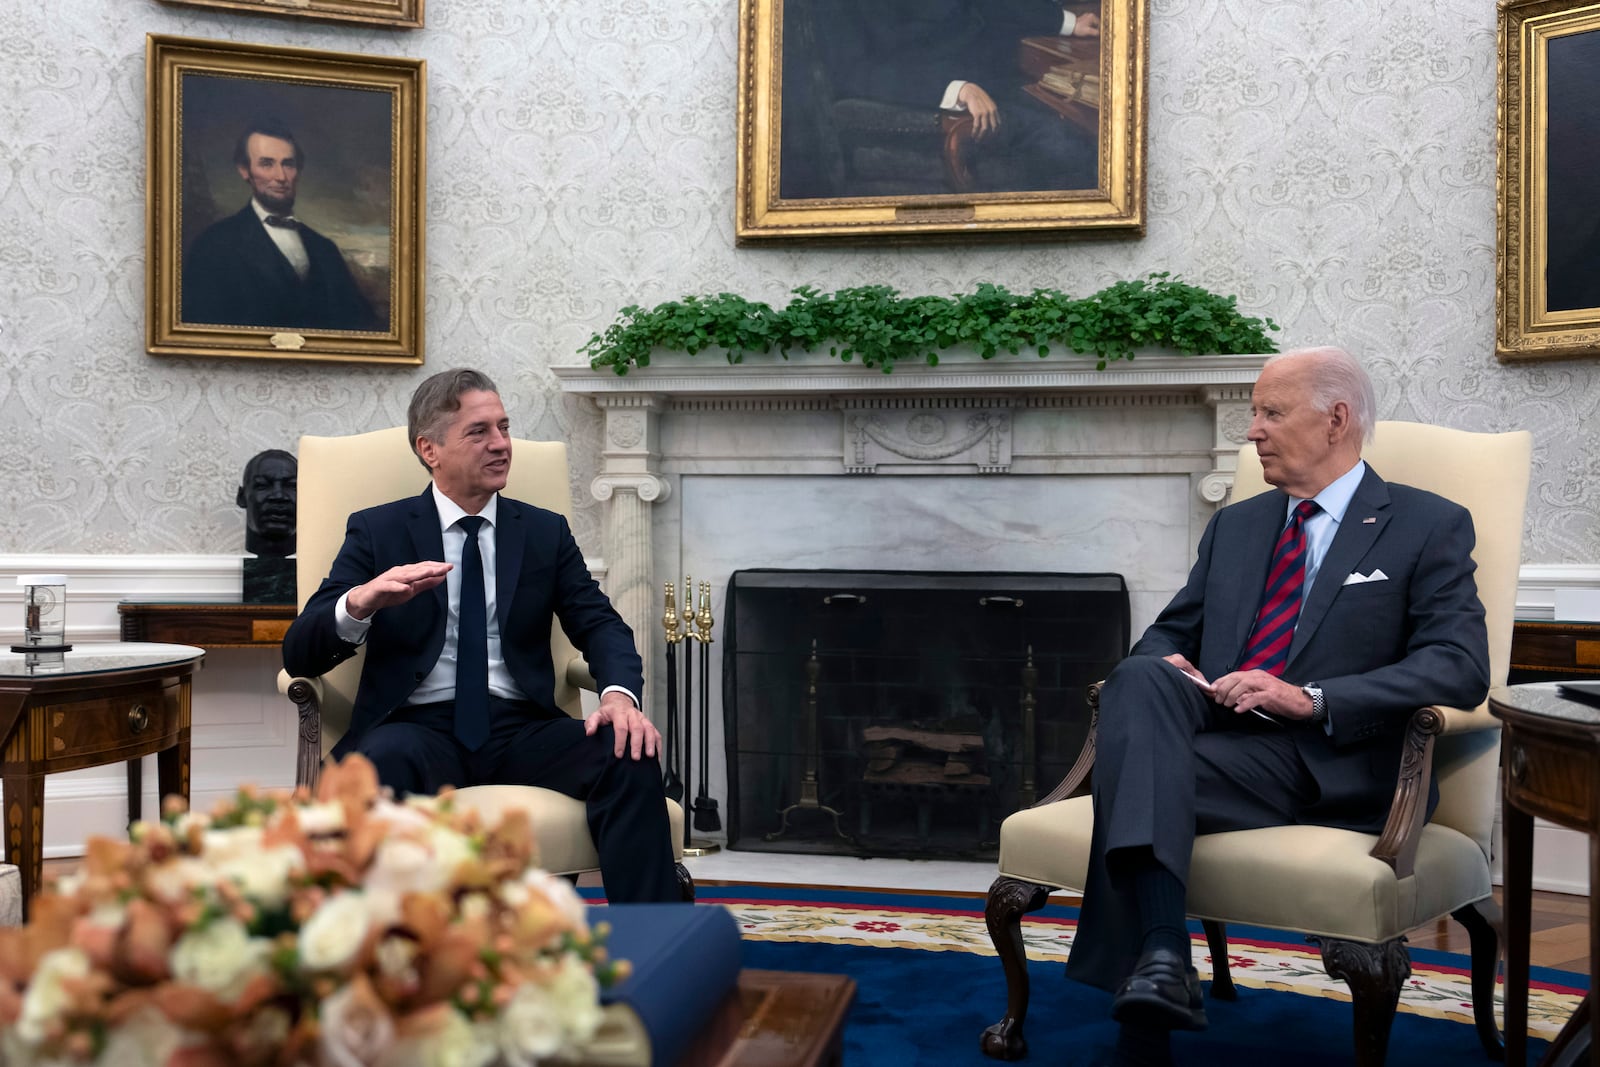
(1434, 990)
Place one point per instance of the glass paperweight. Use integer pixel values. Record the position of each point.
(44, 613)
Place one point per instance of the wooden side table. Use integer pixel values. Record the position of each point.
(1542, 649)
(206, 625)
(1550, 767)
(99, 703)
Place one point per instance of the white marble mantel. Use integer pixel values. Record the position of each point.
(1018, 463)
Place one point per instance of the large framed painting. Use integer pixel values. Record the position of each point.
(906, 119)
(284, 203)
(1548, 294)
(399, 14)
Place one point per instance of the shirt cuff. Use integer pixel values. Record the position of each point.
(349, 628)
(951, 91)
(623, 690)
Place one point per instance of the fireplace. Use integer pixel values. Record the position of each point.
(905, 713)
(707, 468)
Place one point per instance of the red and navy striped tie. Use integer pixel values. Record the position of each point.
(1268, 648)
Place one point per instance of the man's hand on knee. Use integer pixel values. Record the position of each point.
(636, 735)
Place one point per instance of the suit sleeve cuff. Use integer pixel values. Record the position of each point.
(348, 627)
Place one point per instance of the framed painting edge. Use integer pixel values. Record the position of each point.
(393, 14)
(1525, 330)
(168, 59)
(1115, 208)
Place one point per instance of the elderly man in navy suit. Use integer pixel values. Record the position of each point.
(262, 266)
(1275, 687)
(453, 593)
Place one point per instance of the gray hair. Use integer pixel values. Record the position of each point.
(1337, 375)
(437, 399)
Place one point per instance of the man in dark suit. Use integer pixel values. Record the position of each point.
(961, 56)
(1275, 687)
(264, 267)
(458, 687)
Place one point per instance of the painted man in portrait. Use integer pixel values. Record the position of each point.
(262, 266)
(875, 68)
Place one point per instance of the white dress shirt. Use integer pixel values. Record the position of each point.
(287, 238)
(440, 683)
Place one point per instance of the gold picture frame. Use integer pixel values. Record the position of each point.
(335, 144)
(854, 123)
(1547, 298)
(397, 14)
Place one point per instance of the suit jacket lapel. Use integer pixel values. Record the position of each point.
(1352, 541)
(427, 541)
(508, 545)
(1252, 556)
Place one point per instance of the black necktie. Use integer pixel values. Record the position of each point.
(472, 644)
(283, 222)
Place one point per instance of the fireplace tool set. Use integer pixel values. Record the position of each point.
(692, 630)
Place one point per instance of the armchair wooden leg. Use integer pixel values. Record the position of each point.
(685, 882)
(1374, 974)
(1009, 900)
(1221, 977)
(1486, 927)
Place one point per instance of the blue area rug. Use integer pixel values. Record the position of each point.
(928, 982)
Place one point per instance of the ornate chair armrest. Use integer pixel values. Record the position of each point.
(1397, 846)
(307, 696)
(578, 675)
(1085, 763)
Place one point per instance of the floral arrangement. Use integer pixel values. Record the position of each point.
(287, 931)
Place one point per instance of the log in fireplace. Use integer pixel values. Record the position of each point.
(905, 713)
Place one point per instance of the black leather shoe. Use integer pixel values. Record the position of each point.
(1162, 993)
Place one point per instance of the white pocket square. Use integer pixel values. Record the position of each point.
(1357, 578)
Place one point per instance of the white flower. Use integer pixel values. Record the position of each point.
(402, 817)
(174, 880)
(456, 1042)
(319, 820)
(220, 957)
(46, 995)
(144, 1039)
(234, 843)
(561, 894)
(330, 938)
(356, 1028)
(543, 1019)
(264, 877)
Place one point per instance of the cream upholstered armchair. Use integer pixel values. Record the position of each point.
(1354, 894)
(339, 475)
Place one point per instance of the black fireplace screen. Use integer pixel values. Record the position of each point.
(906, 713)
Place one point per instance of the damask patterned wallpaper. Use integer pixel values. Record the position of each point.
(1334, 166)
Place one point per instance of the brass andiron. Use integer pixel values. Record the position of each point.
(706, 818)
(692, 625)
(671, 783)
(810, 799)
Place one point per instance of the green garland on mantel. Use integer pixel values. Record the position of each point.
(879, 327)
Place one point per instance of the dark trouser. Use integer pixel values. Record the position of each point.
(415, 751)
(1171, 763)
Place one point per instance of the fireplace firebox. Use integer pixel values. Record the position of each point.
(905, 713)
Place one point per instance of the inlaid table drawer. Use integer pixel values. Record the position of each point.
(1549, 778)
(101, 724)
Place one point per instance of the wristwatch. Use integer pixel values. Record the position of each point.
(1319, 707)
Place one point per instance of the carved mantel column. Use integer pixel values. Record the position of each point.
(629, 483)
(1231, 403)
